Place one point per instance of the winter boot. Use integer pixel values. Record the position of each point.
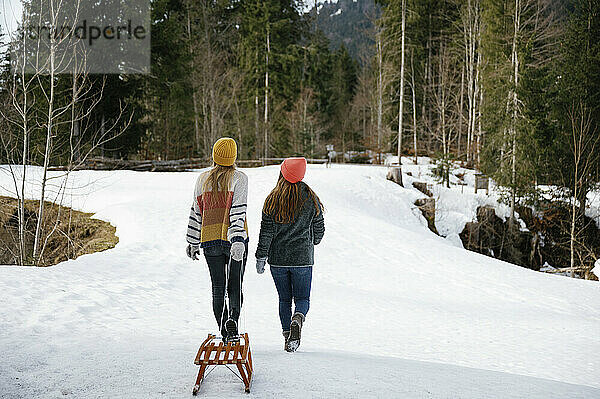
(293, 341)
(286, 336)
(224, 333)
(232, 331)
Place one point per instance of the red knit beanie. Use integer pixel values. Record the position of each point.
(293, 169)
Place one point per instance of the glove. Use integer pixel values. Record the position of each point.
(192, 251)
(237, 251)
(260, 265)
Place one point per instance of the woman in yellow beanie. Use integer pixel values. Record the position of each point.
(217, 224)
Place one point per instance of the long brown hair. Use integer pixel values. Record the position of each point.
(218, 181)
(285, 201)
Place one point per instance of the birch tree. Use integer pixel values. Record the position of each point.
(518, 40)
(470, 21)
(584, 146)
(49, 96)
(401, 100)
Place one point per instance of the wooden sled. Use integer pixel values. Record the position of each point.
(214, 352)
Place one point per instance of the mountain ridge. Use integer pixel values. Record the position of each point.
(349, 23)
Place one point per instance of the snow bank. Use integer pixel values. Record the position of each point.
(396, 311)
(594, 206)
(596, 269)
(457, 205)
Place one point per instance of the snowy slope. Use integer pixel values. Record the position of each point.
(395, 312)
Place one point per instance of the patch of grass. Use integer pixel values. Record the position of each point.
(68, 233)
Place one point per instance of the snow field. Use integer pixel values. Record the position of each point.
(396, 311)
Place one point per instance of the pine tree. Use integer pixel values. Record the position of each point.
(270, 31)
(343, 86)
(577, 110)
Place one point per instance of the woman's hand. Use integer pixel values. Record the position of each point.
(260, 265)
(192, 251)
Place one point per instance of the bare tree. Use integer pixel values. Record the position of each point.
(401, 99)
(266, 119)
(584, 150)
(380, 90)
(471, 24)
(33, 91)
(414, 104)
(190, 39)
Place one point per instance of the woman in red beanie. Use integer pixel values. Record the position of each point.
(292, 224)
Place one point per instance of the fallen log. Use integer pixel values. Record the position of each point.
(175, 165)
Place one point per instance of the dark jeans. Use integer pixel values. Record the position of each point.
(217, 258)
(292, 283)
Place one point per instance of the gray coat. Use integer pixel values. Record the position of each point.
(292, 244)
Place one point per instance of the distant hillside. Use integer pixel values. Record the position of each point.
(349, 22)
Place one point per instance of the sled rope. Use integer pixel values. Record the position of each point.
(226, 305)
(228, 368)
(226, 297)
(211, 370)
(242, 317)
(234, 373)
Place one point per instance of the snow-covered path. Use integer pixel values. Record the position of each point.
(395, 312)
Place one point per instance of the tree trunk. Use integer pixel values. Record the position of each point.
(74, 137)
(479, 129)
(266, 121)
(400, 111)
(25, 160)
(414, 106)
(445, 139)
(47, 154)
(429, 85)
(379, 91)
(257, 122)
(477, 90)
(573, 220)
(194, 94)
(515, 103)
(460, 111)
(468, 39)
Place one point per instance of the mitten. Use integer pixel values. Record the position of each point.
(193, 251)
(237, 251)
(260, 265)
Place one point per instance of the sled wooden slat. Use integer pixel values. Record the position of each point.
(202, 347)
(227, 351)
(245, 352)
(237, 353)
(218, 351)
(209, 351)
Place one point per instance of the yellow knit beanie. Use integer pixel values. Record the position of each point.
(225, 151)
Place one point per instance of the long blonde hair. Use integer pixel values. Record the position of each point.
(218, 181)
(284, 202)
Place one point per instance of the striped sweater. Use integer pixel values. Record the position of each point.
(217, 218)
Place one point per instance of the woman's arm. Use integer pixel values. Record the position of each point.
(237, 214)
(318, 227)
(195, 220)
(267, 232)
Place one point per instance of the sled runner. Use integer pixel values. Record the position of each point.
(214, 352)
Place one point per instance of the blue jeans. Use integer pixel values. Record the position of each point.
(292, 283)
